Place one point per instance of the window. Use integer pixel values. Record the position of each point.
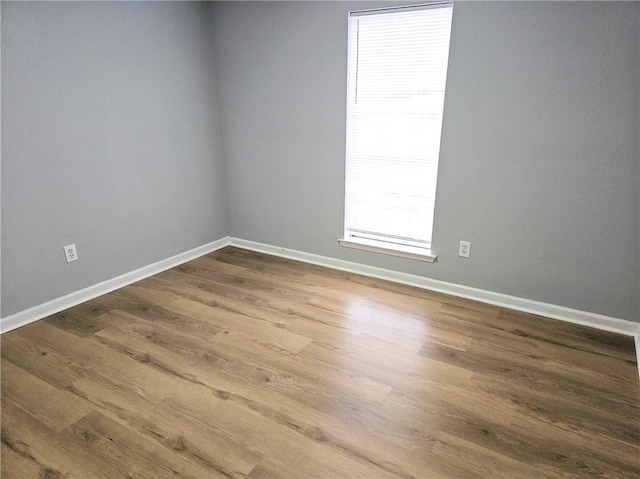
(397, 73)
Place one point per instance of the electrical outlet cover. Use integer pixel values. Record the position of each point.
(70, 253)
(465, 249)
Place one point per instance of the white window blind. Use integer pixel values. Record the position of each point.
(397, 74)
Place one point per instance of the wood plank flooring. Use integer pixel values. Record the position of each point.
(243, 365)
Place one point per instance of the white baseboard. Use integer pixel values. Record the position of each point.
(636, 340)
(562, 313)
(43, 310)
(584, 318)
(513, 302)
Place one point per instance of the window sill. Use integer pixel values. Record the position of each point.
(411, 252)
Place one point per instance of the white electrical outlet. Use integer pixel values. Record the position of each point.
(71, 253)
(465, 249)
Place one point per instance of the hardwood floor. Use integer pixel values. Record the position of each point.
(240, 365)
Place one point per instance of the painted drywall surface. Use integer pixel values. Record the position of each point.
(109, 140)
(539, 157)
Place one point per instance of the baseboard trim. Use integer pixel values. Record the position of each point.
(43, 310)
(584, 318)
(562, 313)
(636, 339)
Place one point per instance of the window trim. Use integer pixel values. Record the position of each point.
(421, 253)
(392, 249)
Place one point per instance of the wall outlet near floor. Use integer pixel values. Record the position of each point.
(465, 249)
(71, 253)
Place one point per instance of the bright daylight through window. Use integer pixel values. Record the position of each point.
(397, 73)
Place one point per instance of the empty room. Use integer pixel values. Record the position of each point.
(320, 239)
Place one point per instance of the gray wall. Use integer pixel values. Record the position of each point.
(109, 140)
(540, 155)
